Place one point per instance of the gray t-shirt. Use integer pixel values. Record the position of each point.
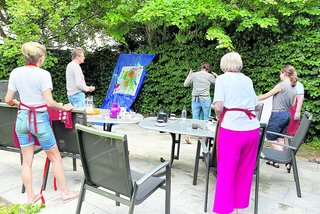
(283, 100)
(75, 79)
(201, 81)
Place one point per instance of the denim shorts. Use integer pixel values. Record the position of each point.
(78, 99)
(45, 134)
(278, 123)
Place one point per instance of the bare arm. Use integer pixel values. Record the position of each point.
(188, 79)
(53, 104)
(218, 108)
(273, 91)
(214, 74)
(9, 98)
(300, 98)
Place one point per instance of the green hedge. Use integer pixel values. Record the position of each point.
(163, 87)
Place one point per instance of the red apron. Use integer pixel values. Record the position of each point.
(248, 113)
(31, 111)
(294, 124)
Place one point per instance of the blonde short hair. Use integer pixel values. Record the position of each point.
(33, 51)
(231, 62)
(76, 52)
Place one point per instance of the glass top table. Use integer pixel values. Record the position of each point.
(103, 117)
(178, 127)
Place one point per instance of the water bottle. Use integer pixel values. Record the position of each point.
(184, 113)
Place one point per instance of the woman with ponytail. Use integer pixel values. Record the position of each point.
(283, 98)
(34, 86)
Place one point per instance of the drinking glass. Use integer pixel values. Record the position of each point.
(89, 103)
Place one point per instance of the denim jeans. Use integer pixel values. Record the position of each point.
(201, 104)
(78, 99)
(44, 135)
(278, 123)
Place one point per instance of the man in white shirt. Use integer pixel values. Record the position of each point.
(76, 85)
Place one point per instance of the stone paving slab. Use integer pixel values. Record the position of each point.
(277, 188)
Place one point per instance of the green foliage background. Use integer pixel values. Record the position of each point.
(182, 34)
(163, 87)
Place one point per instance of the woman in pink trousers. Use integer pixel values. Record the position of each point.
(237, 143)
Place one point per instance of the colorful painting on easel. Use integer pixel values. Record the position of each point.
(128, 80)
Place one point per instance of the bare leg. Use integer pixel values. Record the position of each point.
(58, 171)
(235, 211)
(26, 172)
(278, 147)
(187, 139)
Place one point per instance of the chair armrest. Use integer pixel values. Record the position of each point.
(281, 144)
(282, 135)
(152, 172)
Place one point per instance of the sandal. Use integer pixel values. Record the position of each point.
(35, 199)
(69, 196)
(288, 166)
(274, 164)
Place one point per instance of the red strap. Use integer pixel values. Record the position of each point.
(248, 113)
(43, 179)
(32, 110)
(32, 64)
(55, 184)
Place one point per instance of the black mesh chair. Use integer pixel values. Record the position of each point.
(4, 89)
(288, 156)
(8, 116)
(66, 138)
(67, 141)
(259, 112)
(105, 161)
(263, 131)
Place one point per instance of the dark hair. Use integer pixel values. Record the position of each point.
(290, 71)
(205, 66)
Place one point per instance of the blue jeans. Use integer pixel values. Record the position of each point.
(201, 104)
(45, 134)
(78, 99)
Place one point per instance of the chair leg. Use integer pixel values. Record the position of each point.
(207, 159)
(46, 177)
(168, 190)
(295, 174)
(196, 164)
(117, 203)
(81, 198)
(131, 208)
(23, 188)
(74, 164)
(256, 194)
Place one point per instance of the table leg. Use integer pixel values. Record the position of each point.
(174, 154)
(196, 164)
(107, 127)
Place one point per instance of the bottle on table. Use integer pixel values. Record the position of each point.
(184, 113)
